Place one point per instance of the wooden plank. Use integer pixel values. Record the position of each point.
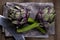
(9, 38)
(36, 39)
(57, 7)
(0, 33)
(51, 37)
(39, 0)
(2, 36)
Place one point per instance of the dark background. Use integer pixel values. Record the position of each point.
(57, 8)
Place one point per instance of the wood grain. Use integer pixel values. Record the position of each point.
(57, 8)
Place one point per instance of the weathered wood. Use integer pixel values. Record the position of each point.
(57, 7)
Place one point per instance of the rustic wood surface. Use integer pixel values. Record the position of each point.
(57, 8)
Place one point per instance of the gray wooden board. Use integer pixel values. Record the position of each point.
(51, 28)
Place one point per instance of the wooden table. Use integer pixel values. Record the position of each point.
(57, 8)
